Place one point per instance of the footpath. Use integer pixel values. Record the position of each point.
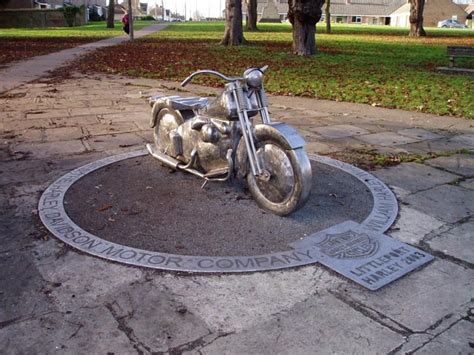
(31, 69)
(54, 299)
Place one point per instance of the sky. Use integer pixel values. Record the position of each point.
(206, 8)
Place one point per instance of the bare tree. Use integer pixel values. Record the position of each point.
(251, 22)
(328, 16)
(111, 14)
(416, 18)
(233, 33)
(303, 15)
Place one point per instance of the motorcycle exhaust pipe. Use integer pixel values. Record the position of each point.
(171, 162)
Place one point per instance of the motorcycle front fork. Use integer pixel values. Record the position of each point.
(246, 127)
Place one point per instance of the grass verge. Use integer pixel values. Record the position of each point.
(90, 30)
(379, 66)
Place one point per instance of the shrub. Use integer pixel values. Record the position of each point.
(70, 12)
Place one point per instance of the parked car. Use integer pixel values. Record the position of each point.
(451, 24)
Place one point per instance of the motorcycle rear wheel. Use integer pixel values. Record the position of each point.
(167, 120)
(289, 185)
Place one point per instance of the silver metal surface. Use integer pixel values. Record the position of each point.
(209, 72)
(279, 182)
(253, 78)
(247, 134)
(373, 260)
(53, 215)
(199, 134)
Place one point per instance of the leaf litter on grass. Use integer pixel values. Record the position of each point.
(381, 70)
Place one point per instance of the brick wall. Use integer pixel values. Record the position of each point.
(26, 18)
(438, 10)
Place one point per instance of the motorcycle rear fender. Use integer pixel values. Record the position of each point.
(164, 103)
(281, 133)
(157, 107)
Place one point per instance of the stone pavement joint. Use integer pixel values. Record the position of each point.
(58, 299)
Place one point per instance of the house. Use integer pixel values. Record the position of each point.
(469, 9)
(16, 4)
(119, 11)
(43, 13)
(435, 11)
(378, 12)
(138, 9)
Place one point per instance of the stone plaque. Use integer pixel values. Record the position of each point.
(371, 259)
(360, 252)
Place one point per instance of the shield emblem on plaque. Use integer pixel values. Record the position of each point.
(348, 245)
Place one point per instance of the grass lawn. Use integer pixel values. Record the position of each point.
(375, 65)
(91, 30)
(22, 43)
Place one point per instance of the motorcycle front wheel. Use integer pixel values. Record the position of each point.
(288, 184)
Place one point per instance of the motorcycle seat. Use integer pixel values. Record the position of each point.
(182, 103)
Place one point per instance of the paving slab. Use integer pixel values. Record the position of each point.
(412, 225)
(446, 203)
(78, 332)
(72, 122)
(468, 184)
(22, 125)
(35, 114)
(461, 164)
(387, 139)
(419, 133)
(111, 128)
(233, 303)
(33, 135)
(25, 171)
(442, 145)
(44, 150)
(457, 242)
(466, 139)
(164, 324)
(321, 148)
(114, 142)
(459, 339)
(414, 177)
(101, 307)
(297, 331)
(419, 300)
(340, 131)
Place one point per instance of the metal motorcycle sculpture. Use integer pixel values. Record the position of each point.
(217, 140)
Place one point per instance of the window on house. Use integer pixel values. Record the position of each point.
(357, 19)
(339, 19)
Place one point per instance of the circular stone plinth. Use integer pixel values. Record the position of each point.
(131, 209)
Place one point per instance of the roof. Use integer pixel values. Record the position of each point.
(347, 8)
(403, 10)
(469, 8)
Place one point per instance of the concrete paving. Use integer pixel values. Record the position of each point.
(56, 300)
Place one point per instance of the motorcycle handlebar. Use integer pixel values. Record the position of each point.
(210, 72)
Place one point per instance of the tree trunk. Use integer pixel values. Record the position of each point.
(130, 19)
(416, 18)
(111, 14)
(328, 16)
(251, 15)
(233, 34)
(303, 15)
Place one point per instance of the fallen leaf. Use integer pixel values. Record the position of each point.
(105, 207)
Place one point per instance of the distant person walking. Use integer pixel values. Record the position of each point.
(126, 23)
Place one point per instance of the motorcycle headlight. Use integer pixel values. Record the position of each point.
(253, 78)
